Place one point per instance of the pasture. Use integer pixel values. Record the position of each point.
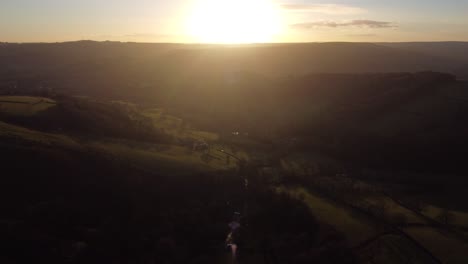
(24, 105)
(355, 229)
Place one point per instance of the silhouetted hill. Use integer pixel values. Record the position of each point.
(453, 50)
(267, 58)
(450, 49)
(416, 121)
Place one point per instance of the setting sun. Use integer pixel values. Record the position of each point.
(234, 21)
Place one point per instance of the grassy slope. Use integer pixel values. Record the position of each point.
(160, 156)
(175, 158)
(145, 155)
(458, 218)
(176, 126)
(24, 105)
(355, 229)
(386, 249)
(12, 132)
(447, 248)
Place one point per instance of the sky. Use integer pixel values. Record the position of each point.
(173, 20)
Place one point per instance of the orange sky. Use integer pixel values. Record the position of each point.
(236, 21)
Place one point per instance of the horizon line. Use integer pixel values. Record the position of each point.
(230, 44)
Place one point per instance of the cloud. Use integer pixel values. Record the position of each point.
(329, 9)
(353, 23)
(372, 24)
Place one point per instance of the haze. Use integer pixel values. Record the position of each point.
(233, 132)
(239, 21)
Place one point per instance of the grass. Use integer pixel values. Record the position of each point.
(354, 228)
(13, 132)
(459, 219)
(394, 209)
(163, 156)
(178, 159)
(365, 193)
(392, 248)
(144, 155)
(300, 163)
(24, 105)
(177, 127)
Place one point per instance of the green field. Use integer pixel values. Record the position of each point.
(176, 157)
(143, 155)
(394, 249)
(24, 105)
(12, 132)
(176, 126)
(167, 156)
(356, 229)
(457, 218)
(393, 209)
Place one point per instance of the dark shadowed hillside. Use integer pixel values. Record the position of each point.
(90, 68)
(455, 51)
(322, 152)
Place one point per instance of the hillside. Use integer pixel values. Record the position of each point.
(92, 198)
(94, 183)
(89, 68)
(141, 153)
(455, 51)
(452, 50)
(420, 115)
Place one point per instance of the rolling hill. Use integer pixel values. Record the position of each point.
(345, 152)
(89, 68)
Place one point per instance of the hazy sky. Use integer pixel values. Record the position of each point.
(167, 21)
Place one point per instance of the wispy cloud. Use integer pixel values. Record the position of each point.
(329, 9)
(353, 23)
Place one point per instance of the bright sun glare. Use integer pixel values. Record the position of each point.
(234, 21)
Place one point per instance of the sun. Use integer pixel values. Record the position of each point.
(234, 21)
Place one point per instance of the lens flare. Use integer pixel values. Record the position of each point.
(234, 21)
